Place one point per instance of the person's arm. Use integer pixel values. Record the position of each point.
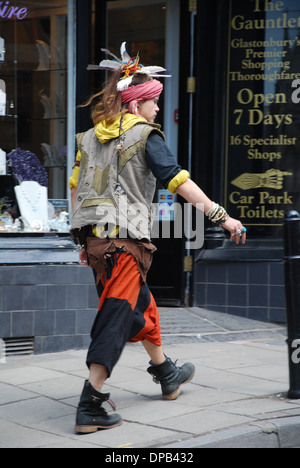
(82, 254)
(194, 195)
(73, 197)
(165, 168)
(73, 181)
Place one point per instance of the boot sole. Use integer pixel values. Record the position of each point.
(91, 429)
(176, 394)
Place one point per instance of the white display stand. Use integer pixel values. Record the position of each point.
(44, 53)
(2, 49)
(2, 97)
(33, 203)
(2, 162)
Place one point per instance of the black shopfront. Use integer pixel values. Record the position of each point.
(230, 114)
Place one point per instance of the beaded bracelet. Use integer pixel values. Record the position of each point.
(226, 218)
(217, 214)
(211, 213)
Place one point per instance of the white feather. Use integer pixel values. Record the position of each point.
(109, 53)
(157, 75)
(124, 54)
(124, 84)
(152, 73)
(111, 65)
(118, 64)
(152, 69)
(93, 67)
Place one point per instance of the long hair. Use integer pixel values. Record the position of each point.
(107, 104)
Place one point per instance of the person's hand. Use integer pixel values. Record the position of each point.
(83, 258)
(237, 230)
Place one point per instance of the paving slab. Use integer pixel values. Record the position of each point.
(237, 398)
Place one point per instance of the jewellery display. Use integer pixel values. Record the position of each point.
(2, 49)
(33, 113)
(37, 225)
(44, 55)
(2, 162)
(33, 203)
(2, 97)
(49, 112)
(55, 220)
(59, 222)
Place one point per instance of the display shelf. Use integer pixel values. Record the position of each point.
(8, 117)
(8, 69)
(42, 119)
(8, 62)
(47, 70)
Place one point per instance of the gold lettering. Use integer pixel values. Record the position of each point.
(283, 22)
(246, 96)
(284, 199)
(268, 6)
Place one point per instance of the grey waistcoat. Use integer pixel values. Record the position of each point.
(102, 168)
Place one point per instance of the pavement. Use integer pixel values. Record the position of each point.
(238, 398)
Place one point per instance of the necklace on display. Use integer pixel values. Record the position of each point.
(34, 205)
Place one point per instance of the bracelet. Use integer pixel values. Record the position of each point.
(210, 214)
(226, 218)
(217, 214)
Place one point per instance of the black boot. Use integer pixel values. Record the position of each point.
(90, 415)
(171, 377)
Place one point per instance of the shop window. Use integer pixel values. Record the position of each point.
(143, 26)
(33, 116)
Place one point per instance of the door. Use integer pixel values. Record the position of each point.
(151, 28)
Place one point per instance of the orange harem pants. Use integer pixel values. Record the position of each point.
(127, 313)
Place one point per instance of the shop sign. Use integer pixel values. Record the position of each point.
(263, 111)
(7, 11)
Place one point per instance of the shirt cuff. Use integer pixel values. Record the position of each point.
(178, 180)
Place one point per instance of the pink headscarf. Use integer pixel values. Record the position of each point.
(142, 92)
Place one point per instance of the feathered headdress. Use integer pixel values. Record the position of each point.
(129, 66)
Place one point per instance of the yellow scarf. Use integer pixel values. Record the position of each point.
(106, 132)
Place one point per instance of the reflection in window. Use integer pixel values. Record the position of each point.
(33, 116)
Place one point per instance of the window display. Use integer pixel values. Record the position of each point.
(2, 49)
(33, 115)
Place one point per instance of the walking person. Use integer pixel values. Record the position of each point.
(113, 184)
